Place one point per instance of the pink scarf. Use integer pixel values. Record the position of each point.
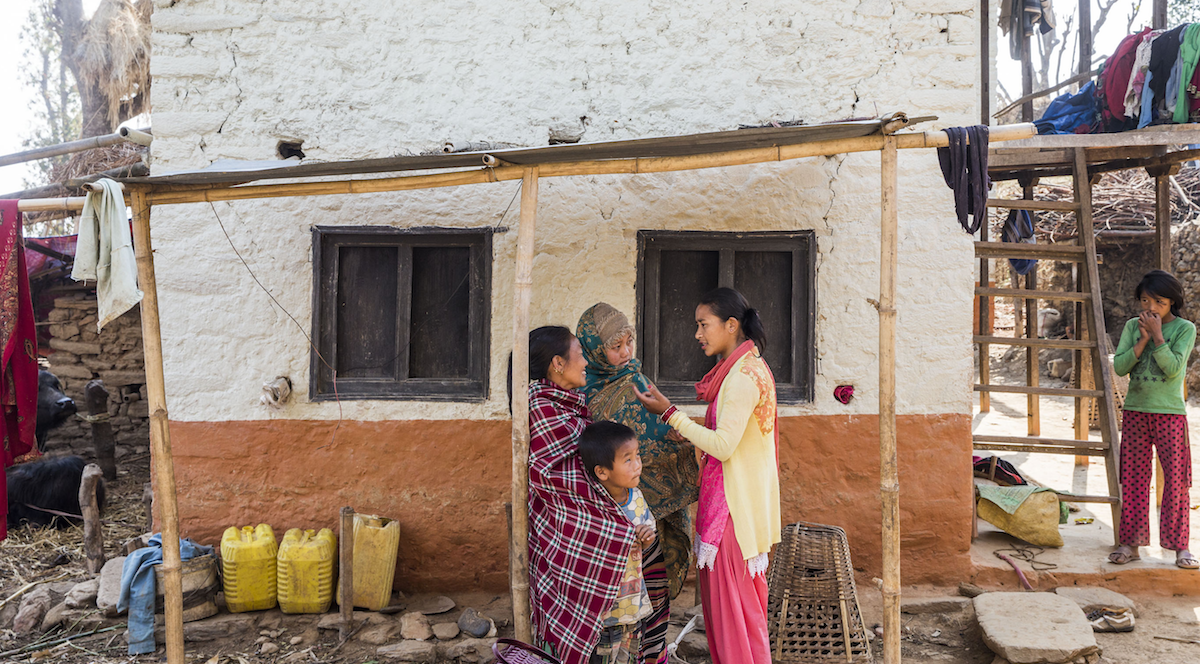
(713, 512)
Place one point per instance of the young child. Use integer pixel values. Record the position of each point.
(610, 454)
(1154, 350)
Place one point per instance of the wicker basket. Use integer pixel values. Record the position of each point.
(812, 608)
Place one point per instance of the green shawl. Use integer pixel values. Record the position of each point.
(670, 475)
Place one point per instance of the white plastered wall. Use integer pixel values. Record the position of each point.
(232, 79)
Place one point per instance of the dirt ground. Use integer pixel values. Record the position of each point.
(942, 637)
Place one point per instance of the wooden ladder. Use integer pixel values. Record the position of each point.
(1091, 340)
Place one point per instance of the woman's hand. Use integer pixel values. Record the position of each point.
(652, 399)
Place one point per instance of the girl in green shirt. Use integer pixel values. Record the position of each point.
(1153, 351)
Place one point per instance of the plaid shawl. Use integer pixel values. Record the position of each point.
(579, 540)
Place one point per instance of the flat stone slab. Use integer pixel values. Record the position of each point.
(409, 651)
(1035, 628)
(946, 604)
(1091, 598)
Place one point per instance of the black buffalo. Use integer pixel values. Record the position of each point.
(53, 407)
(49, 484)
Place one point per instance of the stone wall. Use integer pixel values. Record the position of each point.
(114, 356)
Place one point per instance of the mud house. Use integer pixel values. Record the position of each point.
(416, 318)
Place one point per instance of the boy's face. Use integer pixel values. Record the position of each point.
(627, 467)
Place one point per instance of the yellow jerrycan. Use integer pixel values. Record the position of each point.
(305, 570)
(248, 568)
(376, 541)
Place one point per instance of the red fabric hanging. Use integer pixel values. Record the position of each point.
(18, 341)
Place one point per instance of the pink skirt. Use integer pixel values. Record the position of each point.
(735, 607)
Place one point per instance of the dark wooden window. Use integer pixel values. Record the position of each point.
(775, 271)
(400, 314)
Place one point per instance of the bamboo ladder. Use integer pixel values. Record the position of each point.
(1090, 344)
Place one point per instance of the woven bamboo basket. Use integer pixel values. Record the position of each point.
(812, 606)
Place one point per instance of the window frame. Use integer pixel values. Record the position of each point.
(330, 239)
(799, 388)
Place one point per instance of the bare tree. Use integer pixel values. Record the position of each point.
(109, 57)
(55, 104)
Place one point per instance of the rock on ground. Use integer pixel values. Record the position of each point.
(109, 589)
(378, 635)
(472, 623)
(1035, 628)
(34, 606)
(445, 631)
(468, 651)
(83, 594)
(920, 605)
(415, 626)
(409, 651)
(1089, 598)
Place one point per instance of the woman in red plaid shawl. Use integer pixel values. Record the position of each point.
(579, 540)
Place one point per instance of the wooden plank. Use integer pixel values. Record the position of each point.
(1166, 134)
(1057, 443)
(1034, 343)
(1041, 449)
(1033, 405)
(1035, 389)
(1024, 204)
(1075, 498)
(1023, 294)
(1055, 252)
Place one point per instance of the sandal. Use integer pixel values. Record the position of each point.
(1187, 561)
(1124, 555)
(1111, 620)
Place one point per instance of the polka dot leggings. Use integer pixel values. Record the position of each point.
(1141, 433)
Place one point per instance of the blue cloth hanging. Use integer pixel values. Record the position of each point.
(138, 589)
(1018, 227)
(1070, 113)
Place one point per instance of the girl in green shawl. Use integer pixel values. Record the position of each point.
(670, 475)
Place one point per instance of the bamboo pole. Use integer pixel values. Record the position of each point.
(160, 433)
(522, 293)
(130, 135)
(889, 482)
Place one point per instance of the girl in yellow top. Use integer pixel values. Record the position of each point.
(738, 519)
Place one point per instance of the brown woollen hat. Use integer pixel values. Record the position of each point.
(611, 324)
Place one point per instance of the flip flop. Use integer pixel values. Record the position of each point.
(1187, 562)
(1120, 557)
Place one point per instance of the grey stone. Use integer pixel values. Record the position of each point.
(334, 620)
(446, 631)
(694, 647)
(1090, 598)
(221, 626)
(947, 604)
(409, 651)
(110, 586)
(268, 648)
(1034, 628)
(54, 615)
(470, 651)
(434, 605)
(34, 606)
(378, 635)
(296, 640)
(475, 625)
(415, 626)
(83, 594)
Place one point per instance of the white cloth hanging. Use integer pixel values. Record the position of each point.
(104, 252)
